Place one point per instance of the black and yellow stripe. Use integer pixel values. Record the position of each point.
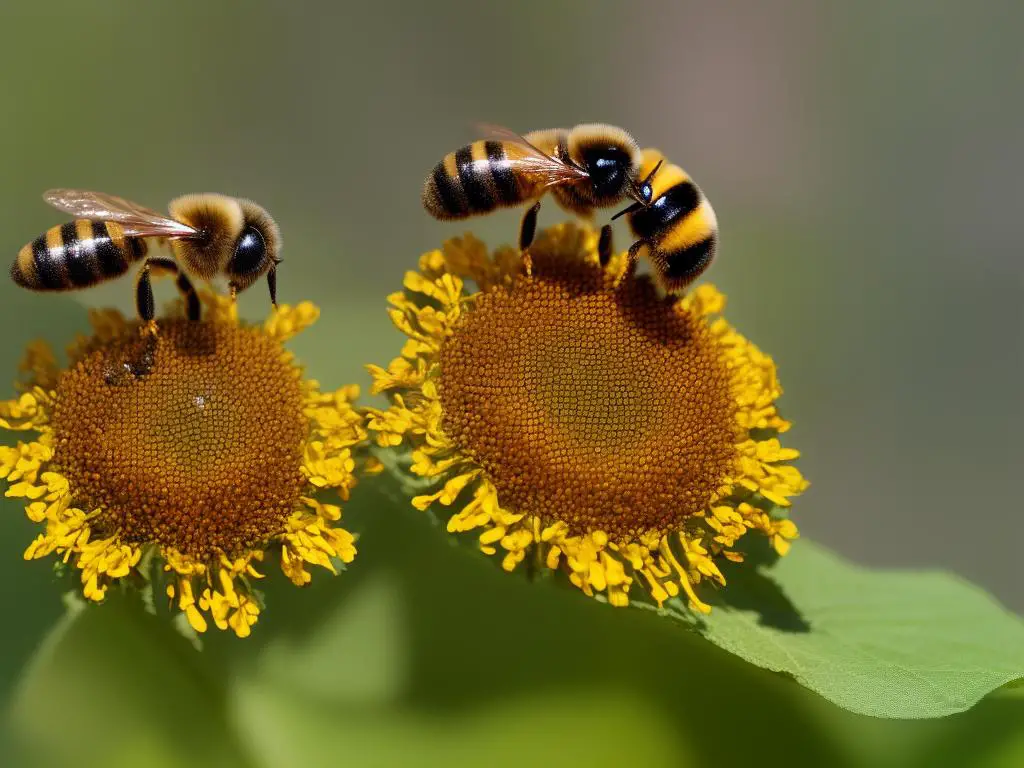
(476, 179)
(76, 255)
(679, 227)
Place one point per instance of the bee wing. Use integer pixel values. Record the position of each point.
(531, 159)
(135, 220)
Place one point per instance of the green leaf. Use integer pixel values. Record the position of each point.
(895, 644)
(1013, 690)
(599, 726)
(355, 653)
(989, 736)
(113, 686)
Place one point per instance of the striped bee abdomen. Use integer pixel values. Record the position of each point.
(475, 179)
(678, 268)
(76, 255)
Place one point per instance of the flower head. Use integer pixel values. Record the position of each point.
(206, 456)
(577, 417)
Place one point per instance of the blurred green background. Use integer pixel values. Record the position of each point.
(864, 160)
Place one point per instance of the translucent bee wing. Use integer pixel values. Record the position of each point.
(136, 220)
(531, 159)
(501, 133)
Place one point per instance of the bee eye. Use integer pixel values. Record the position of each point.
(607, 167)
(250, 252)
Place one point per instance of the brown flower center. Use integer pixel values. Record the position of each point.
(606, 409)
(203, 454)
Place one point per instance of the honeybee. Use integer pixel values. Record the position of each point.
(209, 235)
(587, 167)
(677, 227)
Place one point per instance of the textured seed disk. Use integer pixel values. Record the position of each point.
(202, 455)
(604, 409)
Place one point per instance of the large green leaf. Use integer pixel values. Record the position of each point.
(564, 728)
(115, 686)
(885, 643)
(353, 653)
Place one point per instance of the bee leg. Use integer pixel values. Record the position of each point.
(234, 291)
(526, 232)
(181, 282)
(604, 245)
(529, 227)
(141, 364)
(188, 291)
(272, 285)
(144, 303)
(632, 257)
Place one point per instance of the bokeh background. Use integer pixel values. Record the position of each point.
(865, 162)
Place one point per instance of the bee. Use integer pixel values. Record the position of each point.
(209, 235)
(586, 167)
(677, 228)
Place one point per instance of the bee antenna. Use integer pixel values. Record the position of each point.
(636, 190)
(631, 209)
(654, 170)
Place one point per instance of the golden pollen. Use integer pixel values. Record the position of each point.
(606, 409)
(202, 455)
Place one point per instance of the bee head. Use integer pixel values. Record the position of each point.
(642, 191)
(257, 248)
(611, 159)
(237, 238)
